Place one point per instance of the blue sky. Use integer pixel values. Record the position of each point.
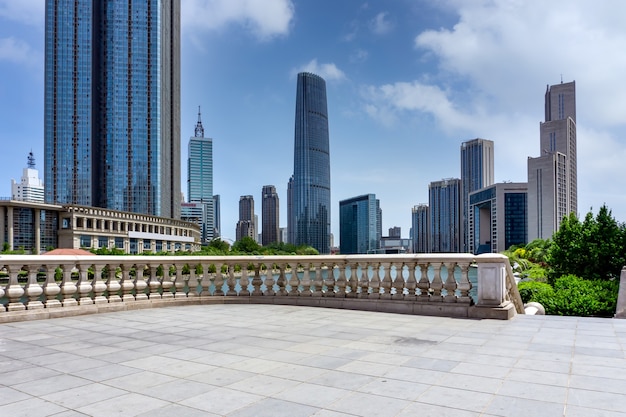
(407, 82)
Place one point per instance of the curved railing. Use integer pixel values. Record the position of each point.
(457, 285)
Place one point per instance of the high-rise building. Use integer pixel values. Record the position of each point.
(444, 202)
(30, 188)
(395, 232)
(358, 225)
(498, 217)
(112, 104)
(217, 216)
(477, 171)
(270, 217)
(310, 192)
(552, 177)
(246, 224)
(420, 226)
(200, 178)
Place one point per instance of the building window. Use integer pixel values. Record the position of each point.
(85, 241)
(103, 242)
(119, 243)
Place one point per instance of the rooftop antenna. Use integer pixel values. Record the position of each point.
(561, 78)
(199, 132)
(31, 160)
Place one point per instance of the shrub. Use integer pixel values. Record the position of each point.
(533, 290)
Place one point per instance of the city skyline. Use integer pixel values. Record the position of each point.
(405, 88)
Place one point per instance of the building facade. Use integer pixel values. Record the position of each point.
(477, 171)
(30, 187)
(359, 225)
(552, 177)
(112, 105)
(310, 189)
(200, 179)
(498, 217)
(420, 228)
(217, 216)
(246, 225)
(270, 229)
(444, 201)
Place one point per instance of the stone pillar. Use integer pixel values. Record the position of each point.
(491, 285)
(620, 311)
(2, 224)
(10, 227)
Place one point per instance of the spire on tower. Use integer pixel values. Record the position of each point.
(199, 132)
(31, 160)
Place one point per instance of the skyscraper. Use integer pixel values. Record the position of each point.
(552, 177)
(310, 205)
(246, 225)
(477, 161)
(358, 225)
(444, 202)
(420, 226)
(200, 178)
(270, 217)
(30, 188)
(112, 104)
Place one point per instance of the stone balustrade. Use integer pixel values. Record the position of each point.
(33, 287)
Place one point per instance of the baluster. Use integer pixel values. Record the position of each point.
(281, 281)
(167, 282)
(257, 281)
(464, 286)
(294, 282)
(411, 282)
(14, 290)
(219, 280)
(98, 286)
(375, 282)
(113, 285)
(83, 285)
(244, 281)
(154, 283)
(398, 283)
(353, 282)
(231, 282)
(364, 280)
(51, 289)
(318, 282)
(179, 282)
(2, 307)
(450, 284)
(424, 283)
(342, 282)
(437, 284)
(140, 283)
(68, 287)
(193, 282)
(306, 280)
(126, 284)
(205, 281)
(33, 290)
(385, 284)
(329, 282)
(269, 280)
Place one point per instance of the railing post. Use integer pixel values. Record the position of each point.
(68, 287)
(306, 280)
(154, 283)
(437, 284)
(98, 285)
(126, 284)
(269, 279)
(83, 285)
(450, 284)
(398, 283)
(244, 281)
(140, 283)
(33, 289)
(51, 289)
(492, 293)
(113, 285)
(14, 290)
(424, 283)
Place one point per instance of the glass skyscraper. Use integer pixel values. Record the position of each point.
(310, 188)
(270, 216)
(444, 202)
(359, 225)
(112, 104)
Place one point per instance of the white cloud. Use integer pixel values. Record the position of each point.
(31, 12)
(381, 24)
(266, 19)
(15, 50)
(329, 72)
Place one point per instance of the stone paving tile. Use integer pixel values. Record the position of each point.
(126, 405)
(597, 399)
(273, 407)
(430, 410)
(30, 407)
(522, 407)
(312, 394)
(457, 398)
(221, 401)
(176, 410)
(9, 395)
(575, 411)
(84, 395)
(43, 386)
(363, 404)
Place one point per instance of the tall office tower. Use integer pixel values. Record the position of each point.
(444, 201)
(200, 178)
(395, 232)
(30, 188)
(245, 225)
(420, 224)
(269, 211)
(358, 225)
(217, 216)
(112, 104)
(310, 216)
(477, 161)
(552, 177)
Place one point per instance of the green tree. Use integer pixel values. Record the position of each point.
(246, 245)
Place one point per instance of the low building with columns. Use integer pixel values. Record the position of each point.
(37, 227)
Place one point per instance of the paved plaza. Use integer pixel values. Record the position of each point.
(268, 360)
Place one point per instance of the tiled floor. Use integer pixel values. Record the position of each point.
(264, 360)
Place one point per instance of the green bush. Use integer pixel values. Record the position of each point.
(531, 290)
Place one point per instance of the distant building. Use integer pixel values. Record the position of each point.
(477, 171)
(390, 245)
(552, 177)
(217, 216)
(270, 216)
(498, 217)
(309, 195)
(444, 201)
(30, 188)
(246, 224)
(358, 225)
(395, 232)
(420, 226)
